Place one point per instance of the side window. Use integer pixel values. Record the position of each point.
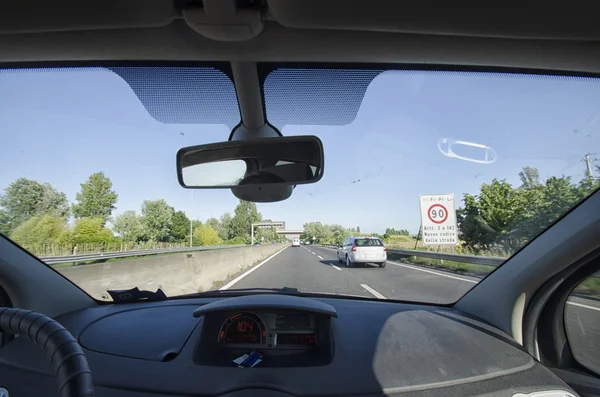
(582, 322)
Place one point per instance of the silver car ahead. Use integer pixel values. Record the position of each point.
(362, 250)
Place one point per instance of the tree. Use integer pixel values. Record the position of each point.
(389, 232)
(4, 222)
(500, 205)
(213, 222)
(129, 226)
(587, 186)
(551, 201)
(180, 228)
(338, 234)
(245, 214)
(236, 241)
(491, 217)
(157, 219)
(25, 198)
(268, 234)
(505, 217)
(206, 236)
(473, 230)
(317, 232)
(530, 177)
(225, 227)
(92, 231)
(96, 199)
(39, 230)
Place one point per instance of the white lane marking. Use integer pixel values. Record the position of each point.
(432, 272)
(312, 253)
(371, 290)
(335, 267)
(320, 257)
(241, 276)
(586, 306)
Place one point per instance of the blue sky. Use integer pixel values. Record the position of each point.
(60, 127)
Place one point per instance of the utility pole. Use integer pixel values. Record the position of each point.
(191, 222)
(588, 164)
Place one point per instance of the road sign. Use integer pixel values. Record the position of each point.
(438, 219)
(264, 225)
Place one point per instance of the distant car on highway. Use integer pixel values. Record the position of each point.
(296, 242)
(362, 250)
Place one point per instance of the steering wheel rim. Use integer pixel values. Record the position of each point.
(71, 367)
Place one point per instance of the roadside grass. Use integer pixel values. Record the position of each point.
(399, 240)
(592, 283)
(218, 284)
(590, 287)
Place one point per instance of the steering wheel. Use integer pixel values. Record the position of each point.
(71, 368)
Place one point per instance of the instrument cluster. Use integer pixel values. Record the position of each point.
(269, 330)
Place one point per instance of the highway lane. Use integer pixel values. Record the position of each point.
(297, 267)
(403, 281)
(315, 269)
(582, 322)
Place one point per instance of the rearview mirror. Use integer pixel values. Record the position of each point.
(283, 160)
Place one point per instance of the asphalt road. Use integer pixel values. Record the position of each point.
(582, 322)
(316, 269)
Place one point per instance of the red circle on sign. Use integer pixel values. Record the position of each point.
(434, 220)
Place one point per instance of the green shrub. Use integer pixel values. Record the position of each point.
(236, 241)
(39, 230)
(92, 231)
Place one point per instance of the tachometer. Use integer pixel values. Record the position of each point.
(243, 328)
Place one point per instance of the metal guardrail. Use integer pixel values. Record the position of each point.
(53, 260)
(476, 260)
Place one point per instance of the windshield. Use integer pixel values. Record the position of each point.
(361, 242)
(436, 167)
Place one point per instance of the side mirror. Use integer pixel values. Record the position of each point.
(285, 161)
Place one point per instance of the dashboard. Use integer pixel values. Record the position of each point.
(308, 346)
(285, 334)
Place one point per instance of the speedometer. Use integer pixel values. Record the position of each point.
(243, 328)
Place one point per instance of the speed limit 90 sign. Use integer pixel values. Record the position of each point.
(438, 219)
(437, 213)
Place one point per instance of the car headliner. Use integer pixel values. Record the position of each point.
(525, 36)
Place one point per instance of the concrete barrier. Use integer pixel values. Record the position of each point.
(176, 274)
